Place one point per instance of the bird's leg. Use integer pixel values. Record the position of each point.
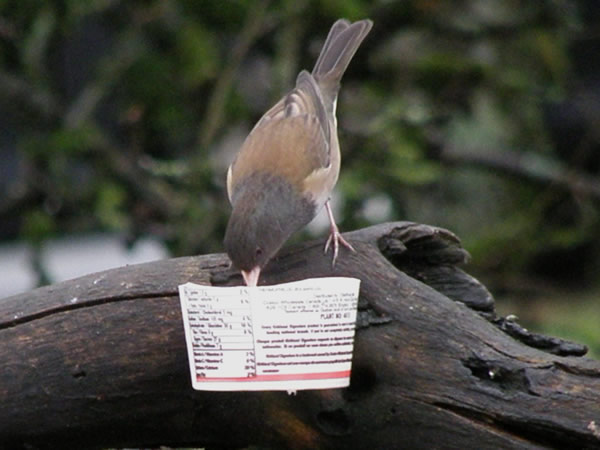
(335, 237)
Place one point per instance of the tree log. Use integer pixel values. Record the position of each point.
(100, 361)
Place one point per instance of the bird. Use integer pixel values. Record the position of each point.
(287, 167)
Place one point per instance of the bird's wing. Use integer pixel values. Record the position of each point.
(291, 140)
(305, 98)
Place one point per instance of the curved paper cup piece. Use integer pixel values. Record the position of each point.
(287, 337)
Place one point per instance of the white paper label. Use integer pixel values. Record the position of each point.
(289, 336)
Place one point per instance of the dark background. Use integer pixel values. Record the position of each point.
(479, 116)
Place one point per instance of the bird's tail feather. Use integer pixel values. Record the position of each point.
(341, 44)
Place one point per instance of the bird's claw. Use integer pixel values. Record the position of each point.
(336, 238)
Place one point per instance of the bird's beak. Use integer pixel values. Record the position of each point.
(251, 277)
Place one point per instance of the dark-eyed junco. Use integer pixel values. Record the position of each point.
(290, 161)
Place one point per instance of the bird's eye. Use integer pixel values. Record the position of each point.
(258, 251)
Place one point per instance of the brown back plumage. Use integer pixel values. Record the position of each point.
(313, 96)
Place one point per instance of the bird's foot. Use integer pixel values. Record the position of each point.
(334, 241)
(335, 237)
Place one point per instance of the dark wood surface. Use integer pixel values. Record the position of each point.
(100, 361)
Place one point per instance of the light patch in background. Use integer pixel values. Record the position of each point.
(72, 257)
(16, 272)
(377, 209)
(320, 224)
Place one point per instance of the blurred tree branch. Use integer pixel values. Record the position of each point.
(39, 101)
(252, 29)
(288, 48)
(531, 166)
(123, 54)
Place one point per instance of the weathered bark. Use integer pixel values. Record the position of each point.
(100, 361)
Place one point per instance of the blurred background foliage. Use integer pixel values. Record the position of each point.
(475, 115)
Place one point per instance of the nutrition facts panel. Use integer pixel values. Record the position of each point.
(221, 333)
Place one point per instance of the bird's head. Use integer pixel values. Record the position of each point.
(266, 211)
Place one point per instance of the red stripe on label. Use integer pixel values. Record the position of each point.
(284, 377)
